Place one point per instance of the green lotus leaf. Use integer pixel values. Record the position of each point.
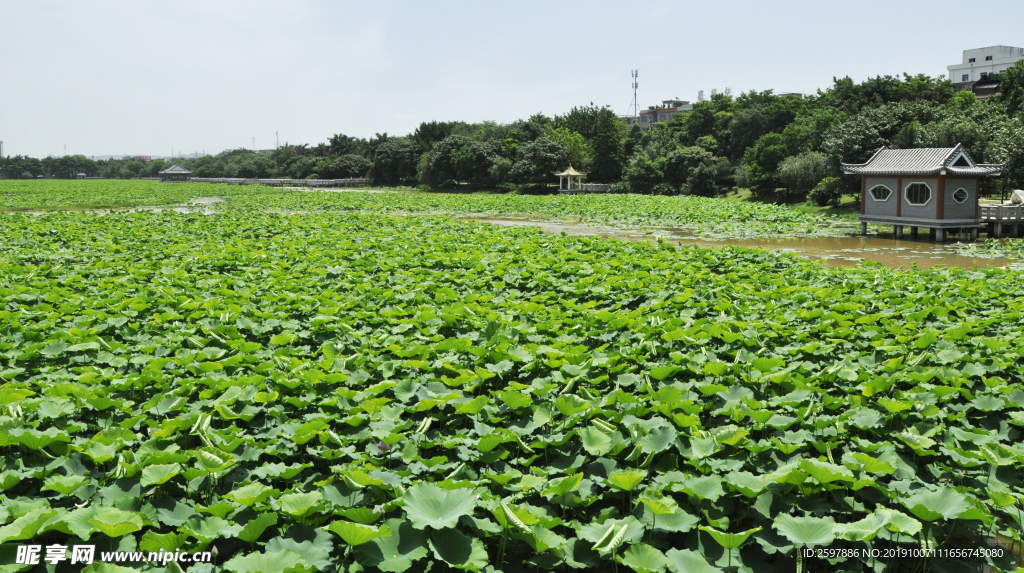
(596, 442)
(255, 527)
(563, 486)
(824, 472)
(54, 349)
(729, 541)
(64, 485)
(540, 538)
(363, 515)
(644, 558)
(395, 554)
(872, 465)
(896, 521)
(36, 440)
(285, 561)
(705, 487)
(659, 504)
(316, 551)
(299, 504)
(861, 530)
(627, 480)
(944, 503)
(472, 407)
(209, 528)
(115, 522)
(9, 479)
(998, 454)
(251, 494)
(747, 483)
(805, 531)
(170, 542)
(357, 534)
(427, 505)
(458, 549)
(571, 404)
(100, 453)
(159, 474)
(687, 561)
(658, 440)
(26, 526)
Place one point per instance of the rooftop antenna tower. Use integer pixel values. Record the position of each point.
(635, 106)
(277, 141)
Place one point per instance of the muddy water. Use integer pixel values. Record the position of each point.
(831, 251)
(195, 205)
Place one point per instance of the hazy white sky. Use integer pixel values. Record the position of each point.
(118, 77)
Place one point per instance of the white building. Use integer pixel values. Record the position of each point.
(980, 63)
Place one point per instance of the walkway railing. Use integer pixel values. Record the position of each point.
(1005, 213)
(587, 188)
(355, 182)
(999, 215)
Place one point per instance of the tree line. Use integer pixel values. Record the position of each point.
(781, 147)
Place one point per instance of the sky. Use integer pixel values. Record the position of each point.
(145, 77)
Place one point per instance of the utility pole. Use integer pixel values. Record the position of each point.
(277, 141)
(65, 150)
(254, 143)
(635, 105)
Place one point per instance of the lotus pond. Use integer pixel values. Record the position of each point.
(355, 391)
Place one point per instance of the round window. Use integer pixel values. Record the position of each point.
(880, 193)
(918, 193)
(960, 195)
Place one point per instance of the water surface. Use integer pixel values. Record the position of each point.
(831, 251)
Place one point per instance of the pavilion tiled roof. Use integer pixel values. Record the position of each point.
(176, 169)
(569, 172)
(928, 161)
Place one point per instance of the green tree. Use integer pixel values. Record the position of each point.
(342, 166)
(577, 152)
(394, 161)
(581, 120)
(800, 173)
(703, 180)
(609, 148)
(643, 174)
(537, 162)
(300, 167)
(341, 144)
(257, 166)
(856, 138)
(681, 163)
(439, 168)
(1011, 85)
(473, 161)
(964, 100)
(430, 133)
(807, 131)
(762, 163)
(456, 159)
(1008, 148)
(828, 190)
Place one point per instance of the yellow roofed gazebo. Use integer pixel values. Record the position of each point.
(569, 174)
